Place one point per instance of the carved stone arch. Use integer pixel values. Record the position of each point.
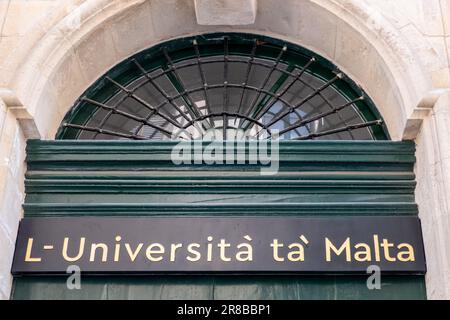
(64, 60)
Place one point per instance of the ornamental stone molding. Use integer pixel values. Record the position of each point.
(350, 33)
(225, 12)
(395, 50)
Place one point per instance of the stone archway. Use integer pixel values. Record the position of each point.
(68, 57)
(82, 39)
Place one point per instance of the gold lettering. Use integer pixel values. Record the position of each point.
(28, 257)
(194, 252)
(409, 252)
(245, 255)
(376, 246)
(386, 245)
(363, 255)
(150, 252)
(117, 250)
(94, 248)
(173, 250)
(80, 250)
(275, 245)
(296, 255)
(345, 246)
(209, 249)
(134, 254)
(222, 245)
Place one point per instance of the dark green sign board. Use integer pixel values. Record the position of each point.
(219, 245)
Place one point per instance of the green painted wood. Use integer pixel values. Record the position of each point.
(138, 178)
(282, 208)
(134, 178)
(224, 287)
(227, 186)
(242, 176)
(156, 155)
(244, 198)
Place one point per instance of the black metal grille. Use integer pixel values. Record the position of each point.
(224, 94)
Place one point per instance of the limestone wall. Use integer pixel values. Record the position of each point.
(397, 50)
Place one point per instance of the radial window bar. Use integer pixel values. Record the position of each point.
(255, 96)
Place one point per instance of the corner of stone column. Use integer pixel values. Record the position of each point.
(21, 113)
(421, 111)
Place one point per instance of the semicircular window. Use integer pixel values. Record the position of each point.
(218, 86)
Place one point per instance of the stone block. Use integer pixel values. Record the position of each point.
(23, 15)
(278, 19)
(133, 30)
(72, 83)
(317, 28)
(97, 53)
(225, 12)
(173, 17)
(445, 7)
(362, 65)
(6, 252)
(430, 50)
(3, 11)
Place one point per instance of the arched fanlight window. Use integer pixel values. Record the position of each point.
(224, 85)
